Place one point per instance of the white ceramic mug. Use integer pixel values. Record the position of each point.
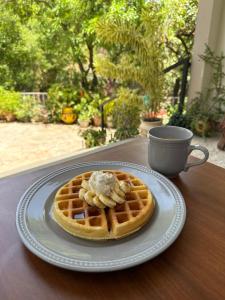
(169, 148)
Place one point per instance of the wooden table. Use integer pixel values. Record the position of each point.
(192, 268)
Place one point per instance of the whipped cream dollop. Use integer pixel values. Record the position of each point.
(102, 183)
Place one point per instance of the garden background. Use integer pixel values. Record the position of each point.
(62, 59)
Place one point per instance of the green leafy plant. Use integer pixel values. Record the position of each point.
(59, 97)
(94, 112)
(13, 106)
(176, 118)
(143, 56)
(84, 116)
(94, 138)
(26, 110)
(180, 120)
(10, 101)
(83, 104)
(207, 108)
(126, 114)
(108, 108)
(46, 42)
(171, 109)
(39, 114)
(94, 106)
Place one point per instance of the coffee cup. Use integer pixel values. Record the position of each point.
(169, 148)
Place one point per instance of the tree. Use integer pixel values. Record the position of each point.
(22, 60)
(43, 42)
(180, 18)
(143, 55)
(68, 26)
(63, 31)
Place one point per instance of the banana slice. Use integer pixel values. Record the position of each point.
(107, 201)
(88, 197)
(82, 193)
(118, 190)
(97, 202)
(85, 185)
(116, 197)
(125, 186)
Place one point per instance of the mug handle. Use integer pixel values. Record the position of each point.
(201, 161)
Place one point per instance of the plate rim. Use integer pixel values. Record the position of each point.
(62, 261)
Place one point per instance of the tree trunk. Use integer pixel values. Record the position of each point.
(84, 80)
(90, 47)
(83, 72)
(176, 89)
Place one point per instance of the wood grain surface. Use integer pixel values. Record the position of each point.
(193, 267)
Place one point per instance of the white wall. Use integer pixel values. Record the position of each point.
(210, 29)
(221, 31)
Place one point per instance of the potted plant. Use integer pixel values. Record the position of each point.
(9, 104)
(25, 111)
(207, 109)
(94, 108)
(94, 138)
(69, 97)
(84, 119)
(61, 103)
(150, 116)
(108, 110)
(96, 117)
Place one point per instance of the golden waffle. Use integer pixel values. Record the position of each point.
(78, 218)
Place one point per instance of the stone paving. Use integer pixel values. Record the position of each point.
(22, 144)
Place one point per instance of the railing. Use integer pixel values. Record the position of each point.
(182, 87)
(40, 97)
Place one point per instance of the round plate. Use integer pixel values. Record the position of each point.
(42, 235)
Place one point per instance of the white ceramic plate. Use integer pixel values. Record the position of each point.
(46, 239)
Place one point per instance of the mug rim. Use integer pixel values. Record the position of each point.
(170, 140)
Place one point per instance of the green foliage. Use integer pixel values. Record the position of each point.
(94, 138)
(88, 106)
(45, 42)
(142, 60)
(94, 111)
(171, 109)
(126, 114)
(84, 104)
(180, 120)
(94, 106)
(9, 101)
(48, 42)
(208, 106)
(176, 118)
(180, 19)
(59, 97)
(29, 110)
(108, 108)
(40, 114)
(25, 111)
(22, 60)
(180, 16)
(85, 115)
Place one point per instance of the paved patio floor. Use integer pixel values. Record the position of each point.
(25, 143)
